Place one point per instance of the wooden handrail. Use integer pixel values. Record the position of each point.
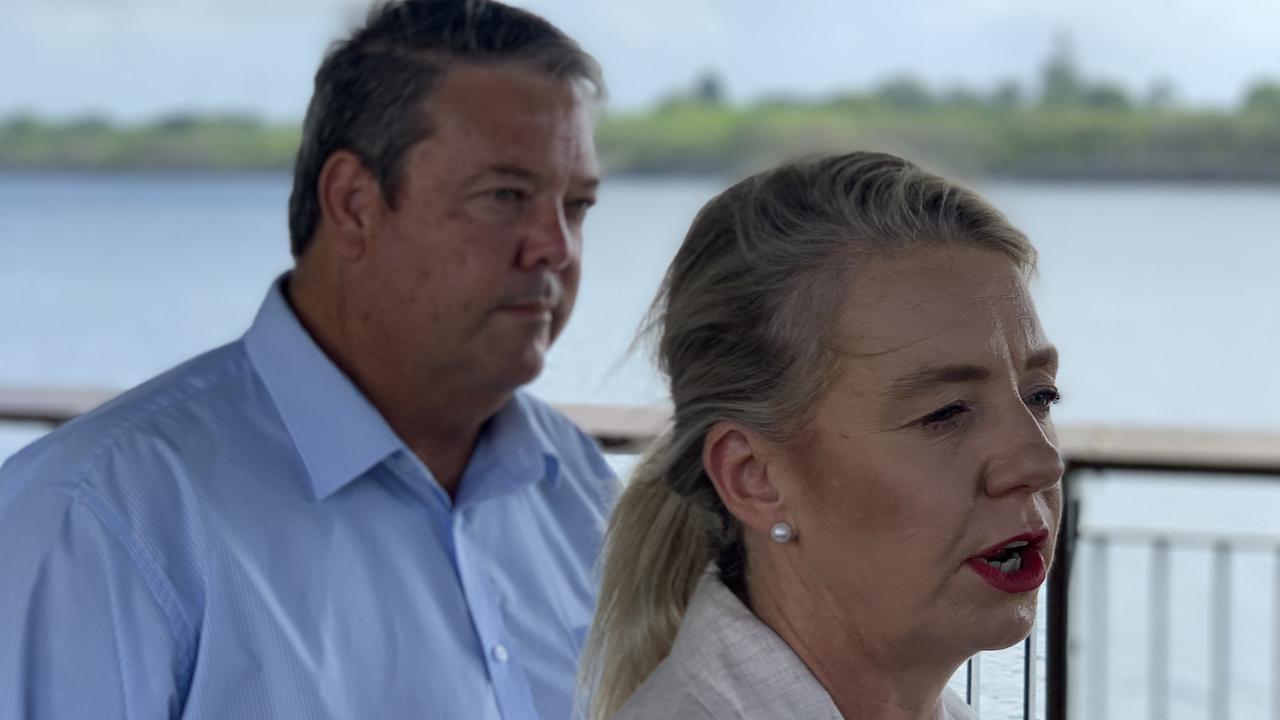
(52, 406)
(617, 427)
(628, 428)
(1105, 447)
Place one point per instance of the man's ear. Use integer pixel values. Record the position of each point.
(350, 199)
(739, 464)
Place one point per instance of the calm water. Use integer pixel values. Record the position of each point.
(1164, 302)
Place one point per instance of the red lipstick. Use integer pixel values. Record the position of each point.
(1016, 565)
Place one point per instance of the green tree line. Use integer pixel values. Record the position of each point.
(1068, 126)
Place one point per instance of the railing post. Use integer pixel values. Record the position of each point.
(1059, 613)
(973, 690)
(1098, 645)
(1159, 630)
(1275, 648)
(1220, 642)
(1029, 675)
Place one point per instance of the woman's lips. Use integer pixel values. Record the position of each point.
(1029, 574)
(1016, 565)
(1034, 538)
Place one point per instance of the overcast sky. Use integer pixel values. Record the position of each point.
(132, 59)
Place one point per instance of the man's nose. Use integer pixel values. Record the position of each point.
(550, 241)
(1027, 459)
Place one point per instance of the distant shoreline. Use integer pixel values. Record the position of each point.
(258, 173)
(692, 139)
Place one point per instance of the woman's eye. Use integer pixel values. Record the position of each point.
(943, 415)
(1044, 399)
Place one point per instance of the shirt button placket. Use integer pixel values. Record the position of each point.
(509, 685)
(500, 653)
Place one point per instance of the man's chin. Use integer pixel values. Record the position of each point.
(521, 367)
(507, 360)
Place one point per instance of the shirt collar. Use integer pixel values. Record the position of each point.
(513, 451)
(337, 431)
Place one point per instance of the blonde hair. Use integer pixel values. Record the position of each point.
(744, 321)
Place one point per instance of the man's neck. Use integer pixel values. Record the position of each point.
(439, 421)
(445, 448)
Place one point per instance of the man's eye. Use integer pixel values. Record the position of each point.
(507, 195)
(1044, 399)
(577, 209)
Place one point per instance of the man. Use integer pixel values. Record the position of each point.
(351, 512)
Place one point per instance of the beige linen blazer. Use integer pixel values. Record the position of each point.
(727, 665)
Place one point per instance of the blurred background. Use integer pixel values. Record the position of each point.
(145, 148)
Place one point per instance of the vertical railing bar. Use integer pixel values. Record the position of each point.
(1220, 641)
(968, 681)
(1159, 631)
(975, 682)
(1097, 646)
(1275, 647)
(1029, 675)
(1057, 650)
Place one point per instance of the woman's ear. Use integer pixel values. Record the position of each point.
(349, 197)
(739, 464)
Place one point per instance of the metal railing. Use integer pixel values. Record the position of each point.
(1160, 545)
(1085, 449)
(1182, 453)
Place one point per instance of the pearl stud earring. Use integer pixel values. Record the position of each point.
(782, 532)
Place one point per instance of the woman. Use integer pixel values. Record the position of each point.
(860, 488)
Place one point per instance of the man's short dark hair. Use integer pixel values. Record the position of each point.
(371, 89)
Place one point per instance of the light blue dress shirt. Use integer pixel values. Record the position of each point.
(245, 537)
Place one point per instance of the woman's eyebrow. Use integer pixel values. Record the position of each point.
(928, 378)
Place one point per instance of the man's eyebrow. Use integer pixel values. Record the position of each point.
(521, 173)
(1042, 358)
(512, 170)
(927, 378)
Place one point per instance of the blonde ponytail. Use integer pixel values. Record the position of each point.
(657, 547)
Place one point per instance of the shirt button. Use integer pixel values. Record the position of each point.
(500, 653)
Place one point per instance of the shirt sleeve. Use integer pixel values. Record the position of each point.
(85, 628)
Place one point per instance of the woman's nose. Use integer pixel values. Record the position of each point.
(1027, 459)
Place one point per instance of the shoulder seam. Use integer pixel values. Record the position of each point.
(158, 584)
(81, 491)
(137, 414)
